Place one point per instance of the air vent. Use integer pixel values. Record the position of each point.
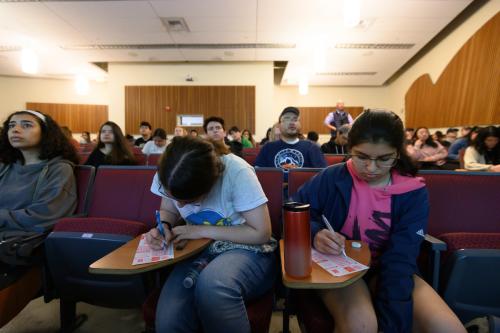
(175, 24)
(386, 46)
(346, 73)
(176, 46)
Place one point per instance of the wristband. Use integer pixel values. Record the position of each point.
(169, 225)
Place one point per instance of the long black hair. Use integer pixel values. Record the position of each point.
(382, 126)
(494, 154)
(190, 166)
(53, 142)
(429, 142)
(120, 153)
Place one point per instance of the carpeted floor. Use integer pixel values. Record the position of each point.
(39, 317)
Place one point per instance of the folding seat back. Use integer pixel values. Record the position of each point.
(298, 177)
(251, 151)
(121, 208)
(140, 158)
(250, 158)
(332, 159)
(83, 156)
(471, 285)
(123, 192)
(153, 159)
(462, 201)
(84, 178)
(271, 180)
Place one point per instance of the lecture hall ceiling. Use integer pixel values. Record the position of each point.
(310, 36)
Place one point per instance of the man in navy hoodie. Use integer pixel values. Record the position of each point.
(289, 152)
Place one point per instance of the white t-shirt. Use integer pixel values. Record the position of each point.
(237, 190)
(151, 148)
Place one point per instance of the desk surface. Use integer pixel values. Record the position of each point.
(119, 262)
(321, 279)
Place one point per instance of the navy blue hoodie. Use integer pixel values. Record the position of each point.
(329, 193)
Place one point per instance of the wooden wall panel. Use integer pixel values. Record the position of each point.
(235, 104)
(312, 118)
(78, 117)
(468, 91)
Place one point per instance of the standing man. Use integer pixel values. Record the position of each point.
(290, 152)
(145, 131)
(337, 118)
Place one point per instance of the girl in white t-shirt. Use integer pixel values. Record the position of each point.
(158, 144)
(219, 197)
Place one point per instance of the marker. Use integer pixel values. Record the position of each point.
(160, 228)
(329, 226)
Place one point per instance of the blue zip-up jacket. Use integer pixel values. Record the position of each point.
(329, 193)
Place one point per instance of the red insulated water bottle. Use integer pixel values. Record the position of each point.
(297, 239)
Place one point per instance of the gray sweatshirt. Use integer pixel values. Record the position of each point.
(33, 194)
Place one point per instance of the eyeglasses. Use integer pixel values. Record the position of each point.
(162, 191)
(381, 162)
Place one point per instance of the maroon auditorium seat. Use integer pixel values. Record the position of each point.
(332, 159)
(153, 159)
(297, 177)
(121, 208)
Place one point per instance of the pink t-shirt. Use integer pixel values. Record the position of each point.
(369, 217)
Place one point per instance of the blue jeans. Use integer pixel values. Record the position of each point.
(217, 301)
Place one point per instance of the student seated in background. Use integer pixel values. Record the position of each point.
(451, 136)
(37, 183)
(111, 148)
(267, 138)
(145, 131)
(158, 144)
(219, 197)
(193, 133)
(484, 152)
(247, 135)
(179, 131)
(375, 197)
(85, 138)
(290, 152)
(337, 145)
(313, 137)
(235, 136)
(215, 130)
(429, 153)
(462, 143)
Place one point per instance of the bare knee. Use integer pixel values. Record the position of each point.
(357, 321)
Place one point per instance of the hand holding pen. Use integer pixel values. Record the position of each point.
(158, 237)
(329, 241)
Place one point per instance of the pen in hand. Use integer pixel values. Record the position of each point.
(330, 228)
(160, 228)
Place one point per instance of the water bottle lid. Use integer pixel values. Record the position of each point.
(296, 206)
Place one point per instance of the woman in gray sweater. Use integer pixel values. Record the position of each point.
(37, 183)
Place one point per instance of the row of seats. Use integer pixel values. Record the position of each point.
(118, 206)
(248, 156)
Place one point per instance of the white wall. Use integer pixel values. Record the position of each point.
(16, 92)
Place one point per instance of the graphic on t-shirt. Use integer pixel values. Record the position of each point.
(289, 159)
(375, 235)
(208, 217)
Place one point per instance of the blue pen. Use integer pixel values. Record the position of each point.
(159, 226)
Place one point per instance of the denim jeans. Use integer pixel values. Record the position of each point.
(216, 302)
